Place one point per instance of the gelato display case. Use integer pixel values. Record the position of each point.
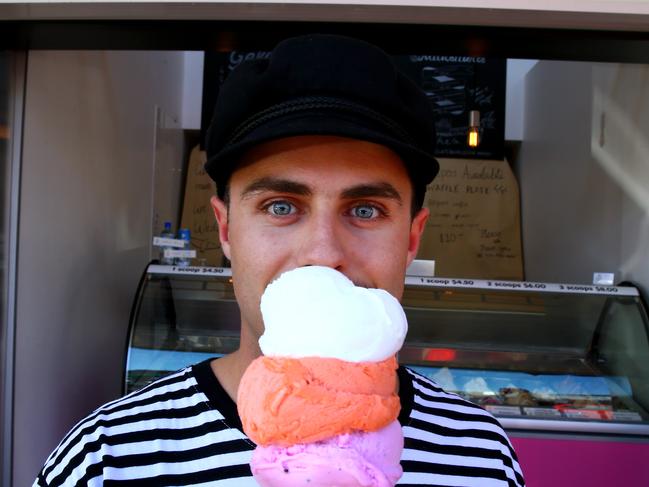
(539, 356)
(554, 358)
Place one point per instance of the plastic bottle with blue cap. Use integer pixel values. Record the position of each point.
(167, 232)
(185, 235)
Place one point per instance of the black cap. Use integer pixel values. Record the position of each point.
(321, 85)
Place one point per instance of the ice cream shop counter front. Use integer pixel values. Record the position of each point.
(564, 367)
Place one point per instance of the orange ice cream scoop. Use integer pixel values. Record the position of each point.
(285, 401)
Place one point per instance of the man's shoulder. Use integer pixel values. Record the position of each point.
(427, 392)
(170, 408)
(431, 404)
(176, 390)
(168, 390)
(444, 429)
(173, 391)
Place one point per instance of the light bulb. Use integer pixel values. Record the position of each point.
(473, 138)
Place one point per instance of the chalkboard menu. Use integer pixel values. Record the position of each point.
(454, 85)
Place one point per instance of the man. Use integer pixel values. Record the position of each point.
(321, 156)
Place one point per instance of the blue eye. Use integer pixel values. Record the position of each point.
(280, 208)
(365, 212)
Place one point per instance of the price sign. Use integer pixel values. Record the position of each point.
(474, 225)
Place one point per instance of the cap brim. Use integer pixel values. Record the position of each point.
(421, 165)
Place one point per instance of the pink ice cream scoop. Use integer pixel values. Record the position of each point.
(358, 459)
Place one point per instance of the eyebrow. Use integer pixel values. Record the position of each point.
(277, 185)
(378, 190)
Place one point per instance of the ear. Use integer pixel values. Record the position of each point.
(221, 214)
(417, 227)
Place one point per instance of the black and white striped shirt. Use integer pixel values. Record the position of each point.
(184, 429)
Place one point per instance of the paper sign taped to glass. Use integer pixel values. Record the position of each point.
(197, 212)
(474, 224)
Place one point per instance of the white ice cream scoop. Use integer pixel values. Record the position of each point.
(318, 312)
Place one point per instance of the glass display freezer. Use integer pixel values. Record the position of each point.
(539, 356)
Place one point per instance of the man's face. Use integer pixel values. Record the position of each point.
(317, 200)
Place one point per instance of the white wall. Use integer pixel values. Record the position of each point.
(85, 228)
(580, 214)
(193, 62)
(620, 145)
(517, 70)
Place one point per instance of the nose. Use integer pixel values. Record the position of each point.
(322, 243)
